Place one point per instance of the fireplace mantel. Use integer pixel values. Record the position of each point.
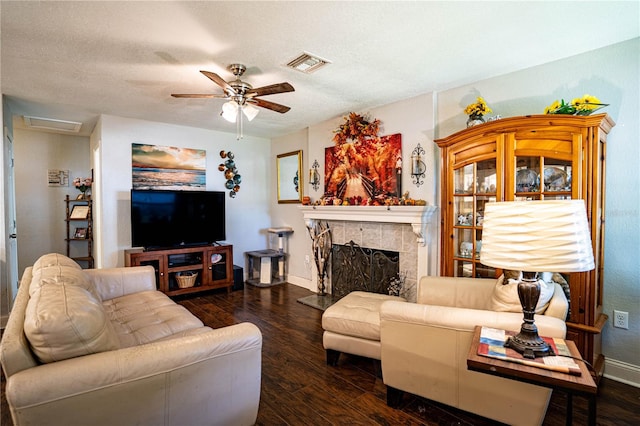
(417, 216)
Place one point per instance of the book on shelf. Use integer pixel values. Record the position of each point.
(492, 342)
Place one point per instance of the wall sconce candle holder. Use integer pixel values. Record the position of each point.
(418, 168)
(314, 175)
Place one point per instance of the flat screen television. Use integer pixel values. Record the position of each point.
(168, 219)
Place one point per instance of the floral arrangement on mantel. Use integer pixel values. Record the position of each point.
(380, 200)
(585, 105)
(357, 128)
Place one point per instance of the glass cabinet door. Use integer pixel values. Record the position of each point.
(541, 178)
(474, 185)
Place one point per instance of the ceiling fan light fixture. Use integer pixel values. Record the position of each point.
(307, 63)
(229, 111)
(250, 111)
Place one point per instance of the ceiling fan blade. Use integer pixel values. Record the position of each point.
(271, 89)
(196, 95)
(219, 81)
(270, 105)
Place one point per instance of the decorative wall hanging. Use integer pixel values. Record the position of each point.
(230, 173)
(57, 177)
(163, 167)
(418, 167)
(363, 168)
(314, 175)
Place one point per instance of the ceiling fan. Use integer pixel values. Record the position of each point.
(242, 96)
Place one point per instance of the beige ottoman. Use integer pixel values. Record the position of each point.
(352, 325)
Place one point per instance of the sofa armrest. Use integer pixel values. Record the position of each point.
(117, 282)
(212, 375)
(464, 319)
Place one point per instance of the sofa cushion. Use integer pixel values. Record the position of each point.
(54, 259)
(54, 268)
(62, 275)
(64, 317)
(148, 316)
(66, 321)
(505, 296)
(357, 314)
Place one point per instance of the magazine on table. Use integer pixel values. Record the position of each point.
(492, 342)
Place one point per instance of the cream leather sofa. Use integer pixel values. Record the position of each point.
(425, 346)
(104, 347)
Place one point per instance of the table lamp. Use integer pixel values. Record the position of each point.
(532, 237)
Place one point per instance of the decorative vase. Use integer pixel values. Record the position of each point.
(474, 120)
(83, 195)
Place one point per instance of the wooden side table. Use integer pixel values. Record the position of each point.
(582, 385)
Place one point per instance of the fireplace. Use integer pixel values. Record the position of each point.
(409, 230)
(355, 268)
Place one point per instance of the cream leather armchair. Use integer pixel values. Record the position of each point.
(425, 347)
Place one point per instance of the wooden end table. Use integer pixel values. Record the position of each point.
(582, 385)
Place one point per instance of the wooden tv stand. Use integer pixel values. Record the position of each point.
(214, 265)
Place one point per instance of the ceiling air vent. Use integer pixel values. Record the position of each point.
(307, 63)
(52, 124)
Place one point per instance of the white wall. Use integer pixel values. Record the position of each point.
(298, 272)
(613, 75)
(246, 215)
(34, 154)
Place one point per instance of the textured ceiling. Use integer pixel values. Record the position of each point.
(76, 60)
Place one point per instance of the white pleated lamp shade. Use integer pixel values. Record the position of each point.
(537, 236)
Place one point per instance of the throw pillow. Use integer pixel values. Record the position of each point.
(66, 321)
(505, 296)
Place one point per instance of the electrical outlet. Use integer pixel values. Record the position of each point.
(307, 261)
(621, 319)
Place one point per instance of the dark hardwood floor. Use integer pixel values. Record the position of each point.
(298, 388)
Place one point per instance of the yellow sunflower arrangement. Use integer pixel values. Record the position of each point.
(478, 108)
(585, 105)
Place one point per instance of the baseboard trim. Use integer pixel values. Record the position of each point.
(622, 372)
(301, 282)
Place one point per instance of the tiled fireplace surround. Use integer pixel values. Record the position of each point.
(409, 230)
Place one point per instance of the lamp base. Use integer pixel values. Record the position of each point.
(530, 346)
(527, 342)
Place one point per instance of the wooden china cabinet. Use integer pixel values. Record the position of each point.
(537, 157)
